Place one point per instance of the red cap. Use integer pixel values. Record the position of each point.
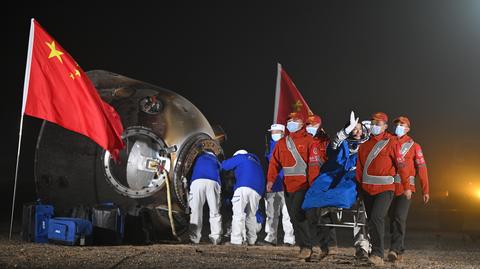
(314, 119)
(296, 115)
(380, 116)
(403, 120)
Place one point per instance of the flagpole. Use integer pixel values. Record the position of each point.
(277, 92)
(24, 100)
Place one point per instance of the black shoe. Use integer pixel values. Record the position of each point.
(265, 243)
(392, 256)
(305, 254)
(361, 254)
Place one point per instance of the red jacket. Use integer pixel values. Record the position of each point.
(320, 144)
(415, 165)
(281, 157)
(385, 164)
(318, 156)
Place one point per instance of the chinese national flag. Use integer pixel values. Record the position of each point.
(288, 98)
(57, 90)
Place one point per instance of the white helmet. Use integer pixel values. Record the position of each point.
(240, 151)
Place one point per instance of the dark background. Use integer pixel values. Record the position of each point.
(415, 58)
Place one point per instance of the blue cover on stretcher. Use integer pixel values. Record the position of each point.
(336, 185)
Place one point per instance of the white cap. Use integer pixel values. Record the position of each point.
(240, 151)
(277, 127)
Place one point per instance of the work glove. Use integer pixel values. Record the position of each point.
(353, 123)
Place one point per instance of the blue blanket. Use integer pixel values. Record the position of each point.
(336, 185)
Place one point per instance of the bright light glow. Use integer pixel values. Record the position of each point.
(477, 193)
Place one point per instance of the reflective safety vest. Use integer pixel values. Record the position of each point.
(300, 167)
(376, 180)
(404, 150)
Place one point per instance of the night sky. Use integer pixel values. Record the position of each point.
(416, 58)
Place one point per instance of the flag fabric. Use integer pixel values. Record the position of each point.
(57, 90)
(288, 98)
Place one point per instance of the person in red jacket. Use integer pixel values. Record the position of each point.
(292, 154)
(327, 234)
(411, 155)
(376, 167)
(314, 124)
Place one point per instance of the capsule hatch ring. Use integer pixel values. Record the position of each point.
(186, 157)
(136, 174)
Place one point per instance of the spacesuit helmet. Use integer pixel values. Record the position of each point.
(359, 134)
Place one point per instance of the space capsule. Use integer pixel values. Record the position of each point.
(163, 131)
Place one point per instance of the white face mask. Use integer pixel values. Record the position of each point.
(293, 126)
(276, 137)
(376, 130)
(312, 130)
(400, 130)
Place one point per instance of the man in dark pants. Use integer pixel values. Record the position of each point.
(328, 244)
(412, 158)
(294, 155)
(377, 165)
(325, 235)
(301, 227)
(377, 208)
(398, 216)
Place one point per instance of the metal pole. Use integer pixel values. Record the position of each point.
(16, 175)
(277, 93)
(24, 101)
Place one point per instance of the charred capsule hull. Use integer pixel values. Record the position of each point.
(162, 130)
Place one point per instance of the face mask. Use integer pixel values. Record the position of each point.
(376, 130)
(293, 126)
(400, 130)
(276, 137)
(312, 130)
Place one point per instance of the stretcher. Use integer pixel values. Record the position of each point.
(354, 217)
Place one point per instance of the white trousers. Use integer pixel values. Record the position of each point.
(202, 190)
(244, 221)
(274, 204)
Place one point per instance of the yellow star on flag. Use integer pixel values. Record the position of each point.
(54, 52)
(71, 76)
(77, 73)
(297, 106)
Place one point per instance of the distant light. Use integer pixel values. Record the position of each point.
(478, 193)
(446, 194)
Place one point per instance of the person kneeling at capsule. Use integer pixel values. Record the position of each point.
(205, 186)
(248, 190)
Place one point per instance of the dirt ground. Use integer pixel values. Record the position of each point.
(426, 250)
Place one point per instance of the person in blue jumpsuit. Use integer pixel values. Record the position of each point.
(205, 186)
(336, 185)
(248, 190)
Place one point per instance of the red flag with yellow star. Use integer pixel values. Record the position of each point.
(57, 90)
(288, 98)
